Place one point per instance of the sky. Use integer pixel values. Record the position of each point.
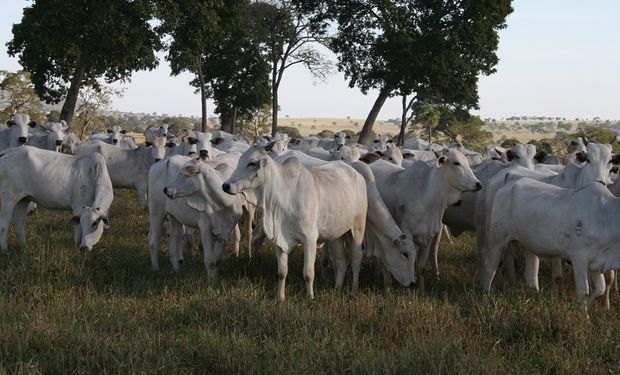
(558, 58)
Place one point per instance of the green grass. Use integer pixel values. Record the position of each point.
(105, 312)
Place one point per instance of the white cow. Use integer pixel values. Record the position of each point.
(379, 143)
(54, 181)
(339, 140)
(304, 205)
(544, 220)
(16, 132)
(70, 143)
(115, 136)
(197, 200)
(418, 196)
(348, 154)
(151, 132)
(50, 136)
(128, 168)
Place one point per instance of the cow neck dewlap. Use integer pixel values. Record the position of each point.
(276, 198)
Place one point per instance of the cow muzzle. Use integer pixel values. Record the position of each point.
(169, 193)
(478, 186)
(58, 142)
(115, 141)
(226, 187)
(203, 154)
(22, 140)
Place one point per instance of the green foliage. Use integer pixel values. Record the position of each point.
(326, 134)
(597, 134)
(291, 131)
(17, 95)
(92, 104)
(83, 40)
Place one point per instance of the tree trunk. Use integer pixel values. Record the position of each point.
(227, 120)
(274, 102)
(234, 121)
(203, 95)
(403, 123)
(372, 116)
(68, 108)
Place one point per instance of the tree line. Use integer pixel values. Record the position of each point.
(428, 52)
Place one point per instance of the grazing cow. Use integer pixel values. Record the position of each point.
(150, 133)
(54, 181)
(418, 195)
(16, 132)
(50, 137)
(304, 205)
(128, 168)
(197, 200)
(543, 219)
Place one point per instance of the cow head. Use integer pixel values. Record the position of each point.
(280, 146)
(55, 134)
(18, 129)
(250, 172)
(458, 173)
(596, 163)
(393, 154)
(348, 154)
(115, 134)
(379, 143)
(400, 258)
(522, 155)
(92, 221)
(204, 147)
(158, 148)
(341, 139)
(187, 182)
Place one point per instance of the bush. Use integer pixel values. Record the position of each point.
(291, 131)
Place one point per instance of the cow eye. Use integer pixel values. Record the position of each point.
(375, 141)
(252, 164)
(457, 163)
(390, 159)
(406, 255)
(517, 157)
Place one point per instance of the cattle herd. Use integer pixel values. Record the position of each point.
(348, 200)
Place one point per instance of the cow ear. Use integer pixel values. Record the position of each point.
(217, 141)
(109, 131)
(441, 160)
(369, 157)
(408, 155)
(123, 131)
(10, 123)
(32, 124)
(615, 159)
(64, 125)
(379, 153)
(347, 137)
(75, 220)
(269, 146)
(148, 143)
(540, 156)
(171, 145)
(436, 154)
(581, 156)
(509, 155)
(613, 170)
(499, 152)
(390, 141)
(192, 140)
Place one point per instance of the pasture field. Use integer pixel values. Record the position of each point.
(64, 311)
(308, 126)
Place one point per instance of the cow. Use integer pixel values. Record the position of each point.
(542, 217)
(379, 143)
(197, 200)
(16, 132)
(304, 144)
(70, 143)
(304, 205)
(151, 132)
(128, 168)
(348, 154)
(596, 163)
(54, 181)
(50, 136)
(115, 136)
(339, 140)
(418, 195)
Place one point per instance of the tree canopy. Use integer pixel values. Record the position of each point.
(67, 44)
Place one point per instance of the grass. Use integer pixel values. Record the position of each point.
(106, 312)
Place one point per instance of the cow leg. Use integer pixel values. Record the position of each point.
(19, 221)
(436, 241)
(610, 277)
(258, 236)
(142, 196)
(598, 286)
(309, 260)
(491, 255)
(6, 214)
(175, 241)
(509, 263)
(356, 264)
(580, 275)
(387, 278)
(282, 256)
(324, 260)
(248, 216)
(339, 259)
(156, 222)
(77, 236)
(532, 264)
(421, 265)
(236, 239)
(446, 230)
(557, 276)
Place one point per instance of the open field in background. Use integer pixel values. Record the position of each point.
(308, 126)
(106, 312)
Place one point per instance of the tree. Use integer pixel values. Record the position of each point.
(287, 33)
(17, 95)
(237, 71)
(429, 50)
(69, 44)
(91, 105)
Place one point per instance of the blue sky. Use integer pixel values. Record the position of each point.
(557, 58)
